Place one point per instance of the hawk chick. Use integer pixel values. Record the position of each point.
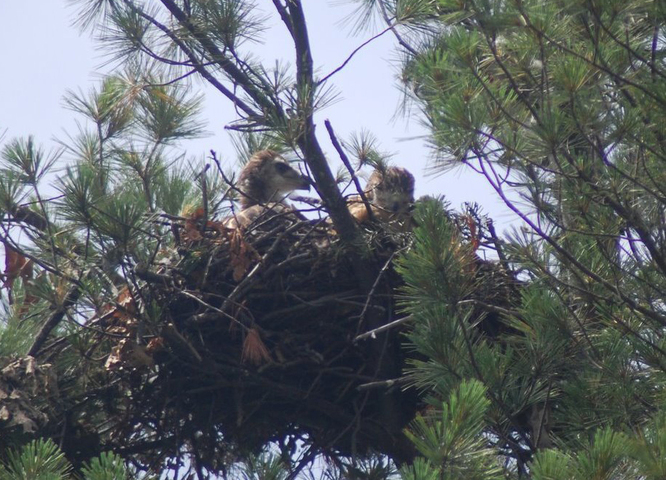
(390, 192)
(263, 183)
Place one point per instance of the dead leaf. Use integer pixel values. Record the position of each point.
(155, 345)
(254, 349)
(16, 265)
(192, 232)
(128, 354)
(242, 255)
(473, 232)
(114, 361)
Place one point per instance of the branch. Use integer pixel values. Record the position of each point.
(56, 317)
(383, 384)
(345, 160)
(284, 15)
(196, 64)
(398, 37)
(325, 183)
(632, 304)
(373, 333)
(236, 75)
(351, 55)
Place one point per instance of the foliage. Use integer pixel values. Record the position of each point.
(43, 460)
(547, 361)
(453, 443)
(127, 298)
(559, 107)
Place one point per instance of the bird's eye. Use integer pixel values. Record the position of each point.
(282, 168)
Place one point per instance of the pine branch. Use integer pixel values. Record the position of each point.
(237, 76)
(345, 160)
(56, 317)
(326, 185)
(196, 63)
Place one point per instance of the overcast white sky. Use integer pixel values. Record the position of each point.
(43, 56)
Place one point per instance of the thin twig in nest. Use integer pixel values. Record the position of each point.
(383, 384)
(373, 333)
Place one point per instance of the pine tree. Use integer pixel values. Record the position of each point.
(546, 361)
(560, 107)
(106, 277)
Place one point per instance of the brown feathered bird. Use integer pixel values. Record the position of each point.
(263, 184)
(390, 192)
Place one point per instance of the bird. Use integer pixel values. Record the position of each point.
(262, 185)
(390, 193)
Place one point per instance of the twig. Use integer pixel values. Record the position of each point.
(490, 308)
(356, 50)
(345, 160)
(56, 317)
(251, 277)
(211, 307)
(393, 28)
(376, 283)
(238, 77)
(174, 335)
(383, 384)
(284, 15)
(312, 201)
(196, 63)
(373, 333)
(142, 272)
(537, 441)
(204, 194)
(498, 246)
(227, 180)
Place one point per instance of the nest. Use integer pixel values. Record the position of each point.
(249, 336)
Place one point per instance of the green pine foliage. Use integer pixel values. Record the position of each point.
(43, 460)
(39, 460)
(451, 440)
(558, 105)
(547, 361)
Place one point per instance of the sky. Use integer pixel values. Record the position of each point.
(44, 56)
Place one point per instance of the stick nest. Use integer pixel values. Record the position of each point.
(247, 336)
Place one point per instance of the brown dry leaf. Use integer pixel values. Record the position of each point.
(128, 354)
(222, 229)
(254, 349)
(16, 265)
(155, 344)
(122, 312)
(242, 255)
(471, 224)
(192, 232)
(126, 301)
(114, 361)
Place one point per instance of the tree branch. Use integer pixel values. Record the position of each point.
(234, 73)
(345, 160)
(56, 317)
(326, 185)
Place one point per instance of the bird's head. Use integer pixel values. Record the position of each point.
(392, 190)
(267, 177)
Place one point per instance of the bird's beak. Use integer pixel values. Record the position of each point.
(305, 183)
